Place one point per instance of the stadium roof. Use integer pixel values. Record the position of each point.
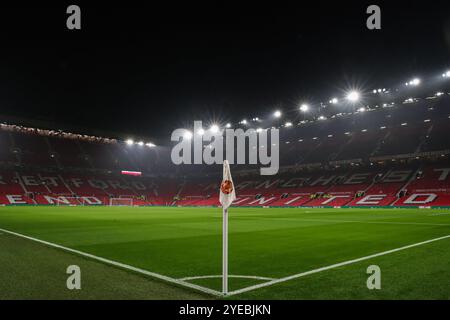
(148, 76)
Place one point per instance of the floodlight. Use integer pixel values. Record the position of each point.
(277, 114)
(214, 128)
(304, 107)
(187, 134)
(353, 96)
(200, 131)
(244, 121)
(334, 101)
(130, 142)
(321, 118)
(288, 124)
(228, 125)
(446, 74)
(259, 130)
(362, 109)
(414, 82)
(141, 143)
(150, 145)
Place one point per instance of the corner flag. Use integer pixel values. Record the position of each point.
(227, 196)
(227, 193)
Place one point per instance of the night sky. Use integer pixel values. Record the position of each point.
(147, 70)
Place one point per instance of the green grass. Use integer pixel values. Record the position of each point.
(185, 242)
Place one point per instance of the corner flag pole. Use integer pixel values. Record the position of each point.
(226, 198)
(225, 252)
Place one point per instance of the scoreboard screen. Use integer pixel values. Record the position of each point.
(131, 173)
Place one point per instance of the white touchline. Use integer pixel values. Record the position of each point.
(337, 265)
(119, 264)
(382, 222)
(439, 214)
(373, 222)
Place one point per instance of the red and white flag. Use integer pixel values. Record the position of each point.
(227, 193)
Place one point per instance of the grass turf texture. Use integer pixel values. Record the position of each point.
(186, 242)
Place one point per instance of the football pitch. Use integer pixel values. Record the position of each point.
(176, 253)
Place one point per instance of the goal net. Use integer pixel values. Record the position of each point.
(121, 201)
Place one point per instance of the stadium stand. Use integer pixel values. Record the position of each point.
(391, 155)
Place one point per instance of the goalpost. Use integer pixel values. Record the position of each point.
(121, 201)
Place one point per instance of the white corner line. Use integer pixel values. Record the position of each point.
(120, 265)
(337, 265)
(229, 276)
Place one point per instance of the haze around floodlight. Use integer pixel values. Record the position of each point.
(415, 82)
(304, 107)
(214, 128)
(353, 96)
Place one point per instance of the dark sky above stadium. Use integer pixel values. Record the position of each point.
(147, 70)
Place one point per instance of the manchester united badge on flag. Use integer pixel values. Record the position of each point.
(227, 191)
